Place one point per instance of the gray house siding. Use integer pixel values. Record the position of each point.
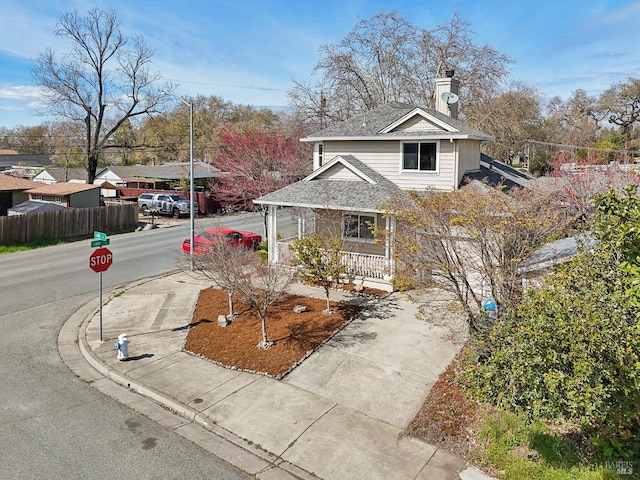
(385, 157)
(469, 158)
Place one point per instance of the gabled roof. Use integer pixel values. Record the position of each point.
(61, 188)
(64, 174)
(9, 183)
(365, 193)
(399, 121)
(35, 206)
(166, 171)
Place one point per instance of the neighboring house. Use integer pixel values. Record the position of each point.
(34, 206)
(542, 262)
(76, 195)
(138, 179)
(362, 162)
(129, 181)
(50, 176)
(10, 160)
(12, 191)
(158, 177)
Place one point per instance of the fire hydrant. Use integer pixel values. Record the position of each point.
(122, 345)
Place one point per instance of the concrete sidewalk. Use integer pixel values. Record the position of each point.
(338, 416)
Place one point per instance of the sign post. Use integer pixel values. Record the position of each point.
(99, 261)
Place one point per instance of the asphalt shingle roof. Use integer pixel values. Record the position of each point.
(370, 124)
(497, 173)
(9, 183)
(61, 188)
(168, 171)
(557, 252)
(352, 195)
(36, 206)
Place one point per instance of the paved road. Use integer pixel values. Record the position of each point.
(52, 425)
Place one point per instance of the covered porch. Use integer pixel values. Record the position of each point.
(368, 263)
(341, 199)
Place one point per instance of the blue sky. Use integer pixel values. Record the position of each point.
(249, 51)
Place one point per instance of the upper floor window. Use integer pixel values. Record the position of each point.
(320, 154)
(419, 156)
(359, 226)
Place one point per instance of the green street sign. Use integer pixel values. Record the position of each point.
(100, 236)
(100, 243)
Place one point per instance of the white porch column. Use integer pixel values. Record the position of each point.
(272, 233)
(388, 246)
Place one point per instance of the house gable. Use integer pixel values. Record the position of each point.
(339, 172)
(419, 121)
(340, 168)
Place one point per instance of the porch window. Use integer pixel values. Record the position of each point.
(358, 226)
(419, 156)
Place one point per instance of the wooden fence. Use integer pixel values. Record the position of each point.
(68, 223)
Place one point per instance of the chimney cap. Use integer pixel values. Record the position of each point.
(449, 73)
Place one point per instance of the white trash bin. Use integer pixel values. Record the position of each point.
(123, 347)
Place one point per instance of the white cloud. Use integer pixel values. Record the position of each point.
(20, 92)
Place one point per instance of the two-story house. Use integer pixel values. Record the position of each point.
(361, 163)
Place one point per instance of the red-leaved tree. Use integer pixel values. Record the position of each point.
(258, 161)
(577, 184)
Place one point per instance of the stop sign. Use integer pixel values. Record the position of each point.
(100, 260)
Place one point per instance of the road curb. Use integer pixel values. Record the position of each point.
(76, 353)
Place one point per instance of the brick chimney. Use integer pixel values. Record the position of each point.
(444, 85)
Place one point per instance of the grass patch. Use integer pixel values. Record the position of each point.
(47, 242)
(31, 245)
(523, 451)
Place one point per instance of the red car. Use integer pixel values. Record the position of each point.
(236, 237)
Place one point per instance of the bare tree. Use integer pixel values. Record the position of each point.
(470, 242)
(103, 81)
(386, 58)
(241, 270)
(620, 103)
(511, 117)
(263, 285)
(223, 263)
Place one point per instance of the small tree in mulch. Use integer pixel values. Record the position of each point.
(242, 271)
(224, 264)
(262, 285)
(320, 260)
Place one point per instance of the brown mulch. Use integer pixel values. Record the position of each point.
(296, 335)
(448, 418)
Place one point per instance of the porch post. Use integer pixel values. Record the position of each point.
(272, 234)
(388, 245)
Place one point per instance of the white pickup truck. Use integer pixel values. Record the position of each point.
(172, 204)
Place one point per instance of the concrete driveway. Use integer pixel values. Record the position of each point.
(340, 415)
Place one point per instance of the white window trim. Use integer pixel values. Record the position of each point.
(358, 214)
(418, 171)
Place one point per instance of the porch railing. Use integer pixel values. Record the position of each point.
(358, 264)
